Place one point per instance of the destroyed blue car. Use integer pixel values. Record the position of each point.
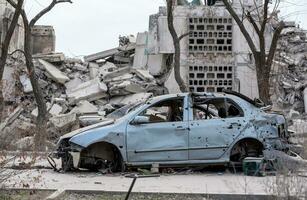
(176, 129)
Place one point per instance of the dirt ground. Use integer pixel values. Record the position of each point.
(24, 195)
(139, 196)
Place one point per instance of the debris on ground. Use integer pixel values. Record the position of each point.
(77, 93)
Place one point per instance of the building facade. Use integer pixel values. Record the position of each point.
(214, 56)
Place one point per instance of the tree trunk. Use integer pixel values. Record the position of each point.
(263, 78)
(176, 41)
(41, 121)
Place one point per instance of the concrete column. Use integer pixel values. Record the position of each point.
(305, 99)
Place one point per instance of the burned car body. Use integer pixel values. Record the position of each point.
(176, 129)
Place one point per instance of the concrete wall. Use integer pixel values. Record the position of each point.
(43, 39)
(215, 55)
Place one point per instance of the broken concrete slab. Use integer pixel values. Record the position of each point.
(120, 78)
(125, 87)
(51, 57)
(144, 75)
(94, 70)
(63, 121)
(100, 55)
(84, 107)
(10, 119)
(80, 67)
(54, 110)
(107, 68)
(91, 90)
(55, 73)
(72, 84)
(116, 73)
(131, 98)
(141, 57)
(26, 83)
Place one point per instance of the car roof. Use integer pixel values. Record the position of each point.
(205, 94)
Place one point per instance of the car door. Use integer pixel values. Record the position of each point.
(211, 136)
(164, 138)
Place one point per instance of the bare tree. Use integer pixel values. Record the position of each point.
(42, 117)
(5, 50)
(176, 40)
(259, 18)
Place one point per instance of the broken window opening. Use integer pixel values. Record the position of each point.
(215, 108)
(170, 110)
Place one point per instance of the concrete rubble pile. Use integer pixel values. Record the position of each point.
(290, 77)
(77, 93)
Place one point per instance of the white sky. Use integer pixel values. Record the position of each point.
(90, 26)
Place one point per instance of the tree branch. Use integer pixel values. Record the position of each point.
(276, 36)
(265, 16)
(241, 26)
(46, 10)
(184, 35)
(253, 22)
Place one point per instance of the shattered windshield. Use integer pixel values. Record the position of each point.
(124, 110)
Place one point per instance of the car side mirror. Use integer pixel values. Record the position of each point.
(140, 120)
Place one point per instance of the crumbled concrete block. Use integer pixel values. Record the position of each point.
(126, 87)
(80, 67)
(116, 73)
(85, 107)
(26, 83)
(91, 90)
(131, 98)
(51, 57)
(74, 83)
(63, 121)
(120, 78)
(54, 110)
(94, 70)
(144, 75)
(11, 118)
(55, 74)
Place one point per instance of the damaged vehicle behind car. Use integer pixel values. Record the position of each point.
(174, 130)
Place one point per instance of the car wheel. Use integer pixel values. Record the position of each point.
(248, 148)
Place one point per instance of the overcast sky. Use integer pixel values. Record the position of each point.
(90, 26)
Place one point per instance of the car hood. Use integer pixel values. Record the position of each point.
(79, 131)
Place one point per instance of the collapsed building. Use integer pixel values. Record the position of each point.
(214, 56)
